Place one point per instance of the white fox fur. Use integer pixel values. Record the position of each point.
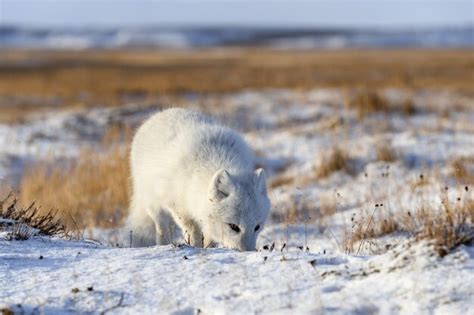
(190, 171)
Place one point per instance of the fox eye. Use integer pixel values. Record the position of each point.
(223, 194)
(234, 227)
(257, 227)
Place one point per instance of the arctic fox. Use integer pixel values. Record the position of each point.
(189, 171)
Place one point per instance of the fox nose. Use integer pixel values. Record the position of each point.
(244, 249)
(249, 249)
(247, 245)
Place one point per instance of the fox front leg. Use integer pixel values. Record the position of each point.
(192, 233)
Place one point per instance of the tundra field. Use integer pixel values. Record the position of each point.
(370, 163)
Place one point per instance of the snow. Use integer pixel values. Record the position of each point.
(41, 275)
(290, 131)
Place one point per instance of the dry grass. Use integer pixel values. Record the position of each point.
(31, 79)
(25, 220)
(367, 101)
(419, 181)
(281, 180)
(327, 208)
(93, 191)
(463, 170)
(448, 226)
(5, 310)
(408, 107)
(385, 152)
(336, 160)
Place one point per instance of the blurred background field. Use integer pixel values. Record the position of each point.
(33, 80)
(76, 79)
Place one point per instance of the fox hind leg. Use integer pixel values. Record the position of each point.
(165, 226)
(140, 231)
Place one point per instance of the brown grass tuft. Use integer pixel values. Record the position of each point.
(25, 220)
(385, 152)
(335, 160)
(5, 310)
(450, 225)
(367, 101)
(463, 170)
(281, 180)
(327, 208)
(420, 181)
(408, 107)
(92, 191)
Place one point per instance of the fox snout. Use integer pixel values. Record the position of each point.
(244, 248)
(246, 245)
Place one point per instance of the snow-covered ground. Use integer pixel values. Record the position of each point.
(55, 276)
(290, 132)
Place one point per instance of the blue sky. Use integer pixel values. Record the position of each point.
(341, 13)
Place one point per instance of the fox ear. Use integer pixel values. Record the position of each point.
(221, 185)
(260, 180)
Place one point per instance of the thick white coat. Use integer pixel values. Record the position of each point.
(190, 172)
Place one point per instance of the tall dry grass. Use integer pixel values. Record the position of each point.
(24, 222)
(366, 101)
(463, 170)
(90, 191)
(335, 160)
(448, 226)
(385, 152)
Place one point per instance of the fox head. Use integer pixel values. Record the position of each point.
(239, 208)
